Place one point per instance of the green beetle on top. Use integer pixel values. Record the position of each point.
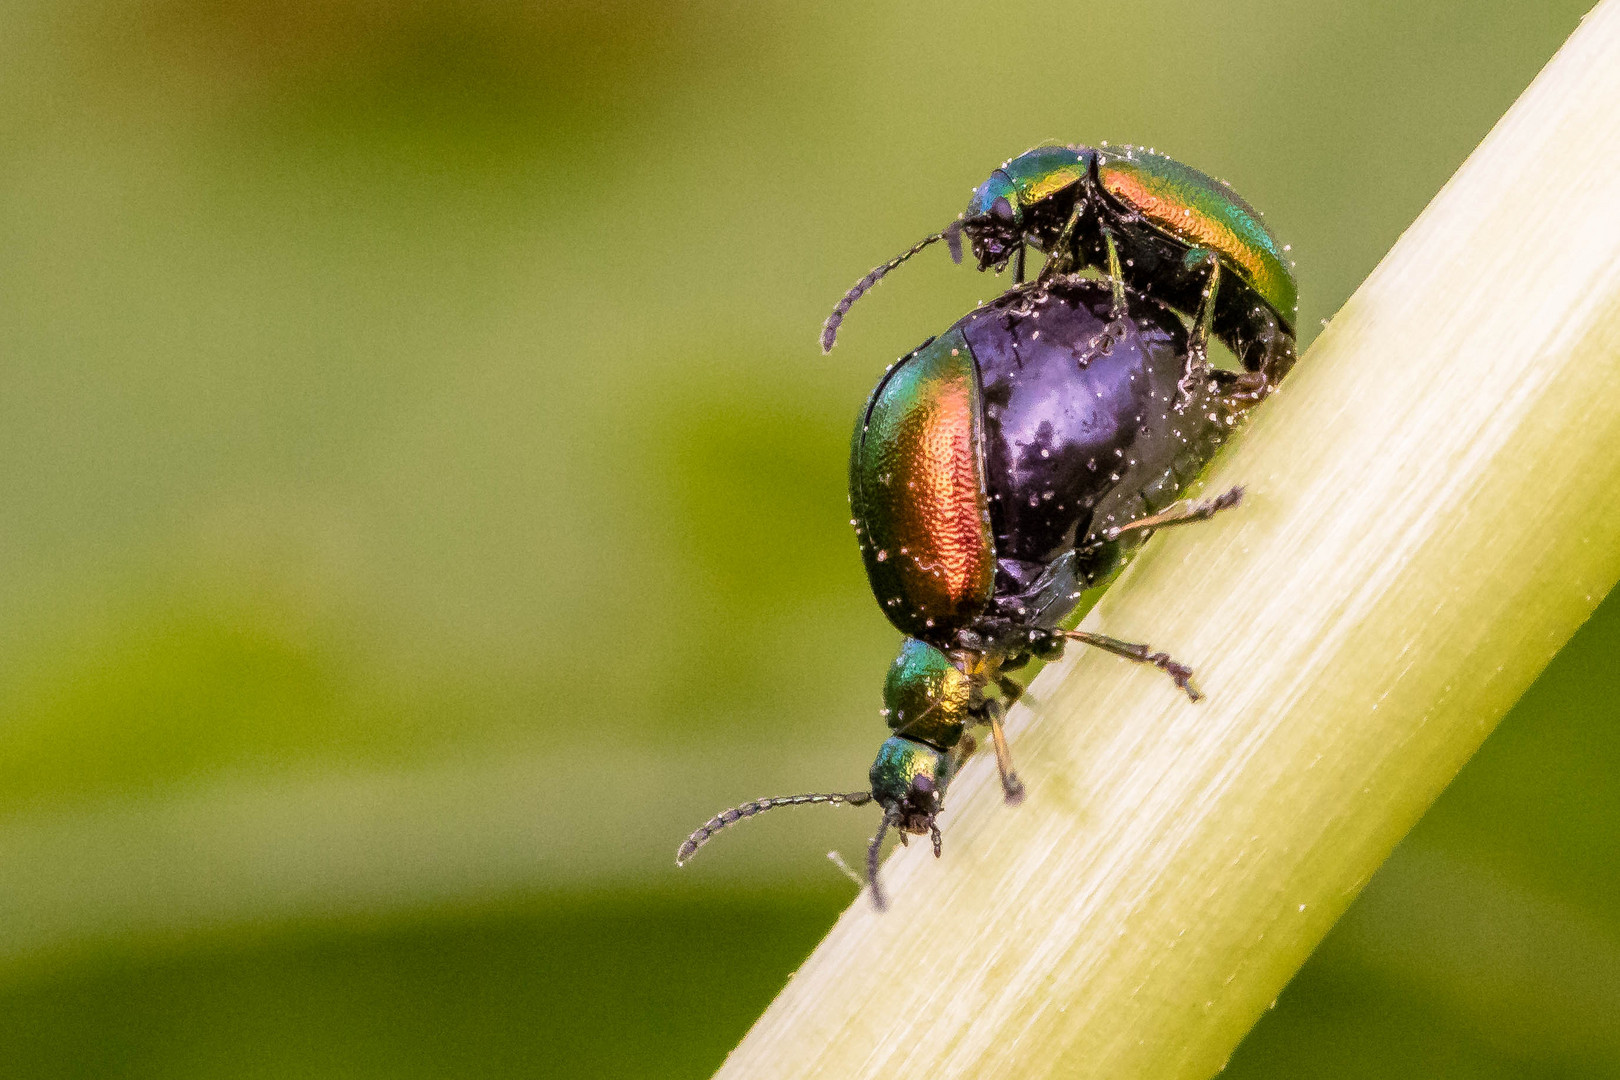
(1167, 229)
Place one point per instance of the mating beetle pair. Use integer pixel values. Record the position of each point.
(1004, 467)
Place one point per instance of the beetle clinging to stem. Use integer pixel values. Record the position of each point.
(1165, 228)
(996, 473)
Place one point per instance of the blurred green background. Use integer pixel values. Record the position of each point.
(421, 503)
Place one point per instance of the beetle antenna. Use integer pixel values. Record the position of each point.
(951, 234)
(872, 854)
(953, 240)
(759, 806)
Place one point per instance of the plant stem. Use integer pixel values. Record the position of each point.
(1431, 513)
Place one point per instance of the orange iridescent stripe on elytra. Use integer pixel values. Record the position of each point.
(1198, 210)
(944, 502)
(1188, 223)
(917, 489)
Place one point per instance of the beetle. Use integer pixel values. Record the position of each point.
(1132, 213)
(997, 472)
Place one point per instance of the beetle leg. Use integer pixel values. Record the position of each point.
(1242, 388)
(1204, 318)
(1116, 277)
(1203, 322)
(1179, 673)
(1278, 353)
(1061, 257)
(1018, 265)
(1180, 514)
(1012, 788)
(1011, 689)
(1117, 326)
(1277, 356)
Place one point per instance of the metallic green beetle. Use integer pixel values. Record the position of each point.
(1166, 228)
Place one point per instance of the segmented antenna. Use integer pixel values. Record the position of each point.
(872, 853)
(952, 235)
(759, 806)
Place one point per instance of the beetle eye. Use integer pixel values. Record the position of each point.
(1002, 209)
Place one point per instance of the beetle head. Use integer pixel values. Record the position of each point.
(994, 221)
(908, 781)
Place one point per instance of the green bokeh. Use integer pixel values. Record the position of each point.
(424, 501)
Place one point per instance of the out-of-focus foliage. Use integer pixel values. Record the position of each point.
(423, 502)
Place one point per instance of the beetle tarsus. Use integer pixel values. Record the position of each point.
(1181, 514)
(1245, 388)
(1012, 788)
(1179, 673)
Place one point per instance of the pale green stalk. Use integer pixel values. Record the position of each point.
(1434, 507)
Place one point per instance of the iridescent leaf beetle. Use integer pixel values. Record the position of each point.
(1166, 228)
(996, 473)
